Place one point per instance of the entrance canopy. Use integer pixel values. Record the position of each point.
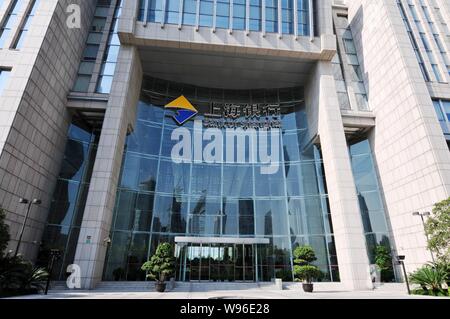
(221, 240)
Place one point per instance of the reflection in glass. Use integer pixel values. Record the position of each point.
(164, 199)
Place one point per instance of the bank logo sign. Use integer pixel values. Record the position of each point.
(185, 110)
(231, 133)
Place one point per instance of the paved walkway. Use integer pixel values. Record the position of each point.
(205, 291)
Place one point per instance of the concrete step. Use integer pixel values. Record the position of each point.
(58, 285)
(394, 286)
(182, 286)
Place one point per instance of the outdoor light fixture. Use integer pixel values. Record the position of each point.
(55, 254)
(35, 201)
(423, 224)
(400, 259)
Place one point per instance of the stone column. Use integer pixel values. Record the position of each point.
(325, 120)
(119, 118)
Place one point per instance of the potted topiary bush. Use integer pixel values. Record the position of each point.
(303, 269)
(160, 266)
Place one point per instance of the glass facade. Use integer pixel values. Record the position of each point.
(10, 21)
(158, 199)
(369, 196)
(425, 42)
(111, 54)
(353, 75)
(442, 108)
(26, 25)
(4, 75)
(413, 41)
(69, 198)
(91, 50)
(252, 15)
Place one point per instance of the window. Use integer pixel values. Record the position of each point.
(354, 74)
(4, 75)
(239, 12)
(223, 14)
(111, 55)
(10, 21)
(413, 41)
(303, 17)
(206, 13)
(271, 16)
(426, 43)
(92, 49)
(245, 14)
(255, 15)
(26, 25)
(172, 11)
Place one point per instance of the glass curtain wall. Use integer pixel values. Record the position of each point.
(370, 200)
(238, 11)
(69, 198)
(111, 54)
(9, 22)
(442, 108)
(92, 46)
(158, 199)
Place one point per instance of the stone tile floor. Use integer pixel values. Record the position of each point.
(206, 291)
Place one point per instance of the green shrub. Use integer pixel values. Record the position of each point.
(304, 255)
(18, 275)
(383, 260)
(307, 273)
(303, 269)
(431, 280)
(162, 264)
(437, 228)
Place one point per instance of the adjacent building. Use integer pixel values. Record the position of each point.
(236, 130)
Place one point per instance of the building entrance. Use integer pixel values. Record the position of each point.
(217, 259)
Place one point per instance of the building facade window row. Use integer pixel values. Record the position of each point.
(12, 17)
(413, 40)
(108, 66)
(346, 68)
(92, 47)
(108, 56)
(426, 44)
(436, 35)
(275, 16)
(25, 28)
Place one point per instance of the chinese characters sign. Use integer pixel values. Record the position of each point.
(245, 116)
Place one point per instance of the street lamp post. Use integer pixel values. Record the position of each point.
(400, 260)
(422, 215)
(55, 254)
(25, 201)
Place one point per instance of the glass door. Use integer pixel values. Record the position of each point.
(249, 263)
(216, 262)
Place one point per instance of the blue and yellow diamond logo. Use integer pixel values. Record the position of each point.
(186, 110)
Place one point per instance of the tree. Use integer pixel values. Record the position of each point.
(161, 264)
(383, 260)
(437, 228)
(4, 232)
(303, 270)
(304, 255)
